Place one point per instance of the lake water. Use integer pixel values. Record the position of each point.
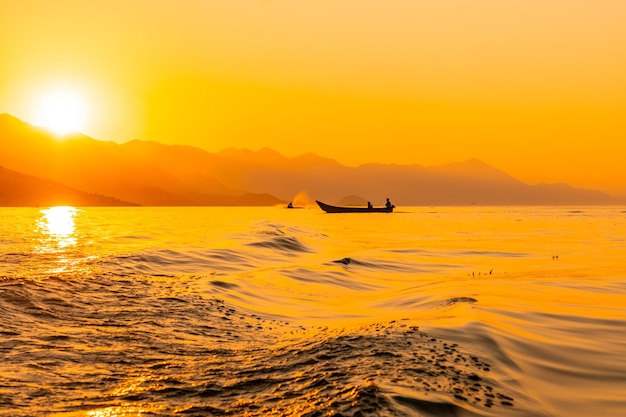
(429, 311)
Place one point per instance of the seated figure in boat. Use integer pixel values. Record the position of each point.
(369, 205)
(388, 204)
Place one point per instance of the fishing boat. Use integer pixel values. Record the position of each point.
(335, 209)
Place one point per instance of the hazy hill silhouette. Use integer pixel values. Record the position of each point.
(145, 173)
(352, 200)
(151, 173)
(464, 183)
(19, 190)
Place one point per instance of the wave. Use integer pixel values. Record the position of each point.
(279, 238)
(383, 265)
(281, 243)
(191, 354)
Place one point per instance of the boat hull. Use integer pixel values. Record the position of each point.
(335, 209)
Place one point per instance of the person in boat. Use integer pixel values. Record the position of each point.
(388, 204)
(369, 205)
(290, 205)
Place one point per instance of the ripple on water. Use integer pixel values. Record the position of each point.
(281, 243)
(331, 278)
(497, 254)
(171, 262)
(390, 265)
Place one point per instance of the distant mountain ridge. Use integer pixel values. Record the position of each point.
(151, 173)
(20, 190)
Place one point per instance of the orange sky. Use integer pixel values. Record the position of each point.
(535, 88)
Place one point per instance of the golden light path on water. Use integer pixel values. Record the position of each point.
(121, 411)
(59, 225)
(58, 238)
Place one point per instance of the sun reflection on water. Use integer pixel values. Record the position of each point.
(60, 244)
(58, 224)
(121, 411)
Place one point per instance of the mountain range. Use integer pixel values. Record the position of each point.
(37, 166)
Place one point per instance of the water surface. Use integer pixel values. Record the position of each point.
(430, 311)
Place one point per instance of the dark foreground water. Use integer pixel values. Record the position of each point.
(273, 312)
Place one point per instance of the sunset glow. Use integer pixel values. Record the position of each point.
(62, 111)
(533, 88)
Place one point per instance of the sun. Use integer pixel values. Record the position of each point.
(62, 110)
